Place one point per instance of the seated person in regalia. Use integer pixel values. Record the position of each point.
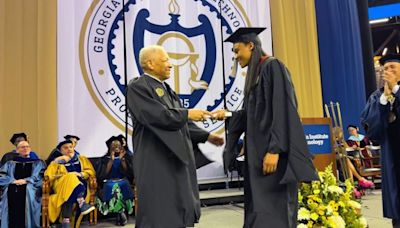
(114, 175)
(21, 181)
(68, 175)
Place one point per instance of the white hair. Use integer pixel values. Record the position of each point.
(147, 54)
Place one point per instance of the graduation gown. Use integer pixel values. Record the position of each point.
(164, 165)
(31, 197)
(271, 123)
(63, 184)
(375, 119)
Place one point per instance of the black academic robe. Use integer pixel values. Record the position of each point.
(271, 123)
(198, 136)
(9, 156)
(164, 165)
(375, 119)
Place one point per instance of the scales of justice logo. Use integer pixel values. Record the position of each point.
(189, 30)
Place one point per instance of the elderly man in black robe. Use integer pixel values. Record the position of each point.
(276, 152)
(164, 164)
(381, 120)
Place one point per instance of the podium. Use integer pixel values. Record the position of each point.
(318, 132)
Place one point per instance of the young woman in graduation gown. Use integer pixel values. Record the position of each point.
(276, 152)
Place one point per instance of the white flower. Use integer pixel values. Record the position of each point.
(354, 204)
(363, 222)
(337, 220)
(335, 189)
(301, 225)
(303, 214)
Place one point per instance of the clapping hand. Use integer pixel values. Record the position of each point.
(390, 79)
(122, 153)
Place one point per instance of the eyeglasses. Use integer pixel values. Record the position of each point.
(23, 147)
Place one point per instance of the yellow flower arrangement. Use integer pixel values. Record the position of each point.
(324, 204)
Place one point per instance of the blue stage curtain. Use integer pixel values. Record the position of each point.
(342, 73)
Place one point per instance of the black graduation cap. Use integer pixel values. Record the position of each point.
(63, 143)
(113, 138)
(17, 135)
(392, 57)
(121, 137)
(71, 136)
(245, 35)
(352, 126)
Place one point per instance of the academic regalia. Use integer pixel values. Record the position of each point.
(63, 183)
(55, 153)
(119, 173)
(108, 181)
(360, 141)
(164, 165)
(375, 119)
(9, 156)
(271, 123)
(20, 205)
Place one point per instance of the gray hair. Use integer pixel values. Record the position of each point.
(147, 54)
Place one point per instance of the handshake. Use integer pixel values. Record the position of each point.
(201, 115)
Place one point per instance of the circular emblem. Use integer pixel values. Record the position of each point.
(191, 31)
(160, 92)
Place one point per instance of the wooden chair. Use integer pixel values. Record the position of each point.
(372, 170)
(46, 191)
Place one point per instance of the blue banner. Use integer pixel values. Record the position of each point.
(318, 138)
(384, 11)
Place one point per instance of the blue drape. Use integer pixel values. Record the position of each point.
(341, 61)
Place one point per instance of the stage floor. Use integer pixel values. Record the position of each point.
(231, 216)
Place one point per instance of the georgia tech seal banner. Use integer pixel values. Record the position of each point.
(93, 58)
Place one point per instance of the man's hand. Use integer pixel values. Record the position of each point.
(215, 139)
(198, 114)
(390, 78)
(218, 114)
(64, 157)
(20, 182)
(270, 163)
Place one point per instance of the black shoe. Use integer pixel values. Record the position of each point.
(86, 208)
(123, 219)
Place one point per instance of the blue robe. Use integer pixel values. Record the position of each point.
(13, 154)
(375, 119)
(33, 202)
